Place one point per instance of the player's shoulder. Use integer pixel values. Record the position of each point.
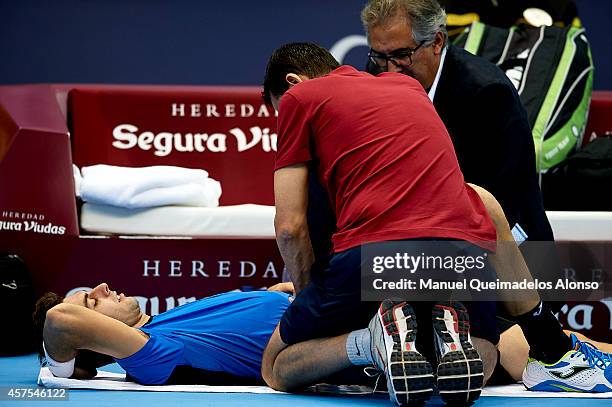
(261, 295)
(235, 299)
(268, 296)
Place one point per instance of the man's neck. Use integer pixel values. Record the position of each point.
(144, 318)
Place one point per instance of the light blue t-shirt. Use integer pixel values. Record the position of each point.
(223, 333)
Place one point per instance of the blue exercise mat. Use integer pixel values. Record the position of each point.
(22, 371)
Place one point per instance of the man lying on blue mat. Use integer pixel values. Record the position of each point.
(225, 333)
(84, 328)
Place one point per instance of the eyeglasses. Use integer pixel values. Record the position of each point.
(401, 58)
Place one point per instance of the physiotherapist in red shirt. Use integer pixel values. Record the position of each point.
(388, 167)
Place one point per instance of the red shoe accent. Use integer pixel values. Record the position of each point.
(454, 313)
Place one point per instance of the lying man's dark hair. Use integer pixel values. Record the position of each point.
(44, 304)
(301, 58)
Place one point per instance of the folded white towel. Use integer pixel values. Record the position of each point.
(147, 187)
(141, 178)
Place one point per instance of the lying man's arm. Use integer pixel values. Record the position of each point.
(290, 222)
(69, 327)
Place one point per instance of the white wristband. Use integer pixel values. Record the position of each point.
(59, 369)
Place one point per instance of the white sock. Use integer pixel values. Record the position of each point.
(358, 347)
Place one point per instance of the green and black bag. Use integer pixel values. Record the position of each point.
(506, 13)
(552, 69)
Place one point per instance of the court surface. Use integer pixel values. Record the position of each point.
(22, 371)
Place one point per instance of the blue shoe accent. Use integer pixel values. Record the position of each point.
(555, 386)
(601, 388)
(558, 365)
(593, 356)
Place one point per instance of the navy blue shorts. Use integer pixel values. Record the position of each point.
(331, 305)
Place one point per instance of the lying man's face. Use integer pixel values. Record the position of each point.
(101, 299)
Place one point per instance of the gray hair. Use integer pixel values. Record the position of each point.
(427, 17)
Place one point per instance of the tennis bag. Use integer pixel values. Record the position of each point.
(16, 306)
(552, 69)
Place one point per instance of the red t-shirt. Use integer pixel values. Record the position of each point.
(386, 159)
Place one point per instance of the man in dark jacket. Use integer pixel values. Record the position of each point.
(478, 104)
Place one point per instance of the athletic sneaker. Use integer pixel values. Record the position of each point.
(583, 369)
(409, 375)
(460, 371)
